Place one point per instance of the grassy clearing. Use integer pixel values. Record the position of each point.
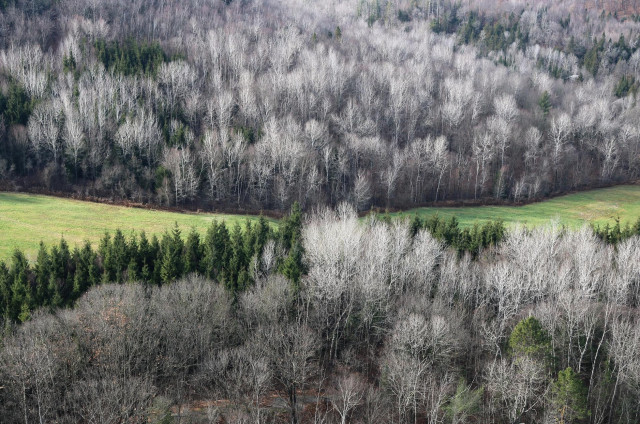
(597, 206)
(25, 219)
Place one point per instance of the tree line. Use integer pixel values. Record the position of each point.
(230, 256)
(60, 275)
(617, 232)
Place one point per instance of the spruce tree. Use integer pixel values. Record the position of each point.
(21, 295)
(145, 257)
(293, 267)
(118, 254)
(89, 258)
(545, 103)
(569, 397)
(54, 289)
(156, 264)
(238, 261)
(415, 225)
(291, 227)
(132, 271)
(60, 264)
(134, 259)
(262, 233)
(173, 246)
(192, 252)
(209, 251)
(108, 264)
(42, 272)
(249, 239)
(222, 246)
(80, 276)
(5, 290)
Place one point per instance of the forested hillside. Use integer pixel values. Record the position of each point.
(257, 104)
(318, 111)
(337, 321)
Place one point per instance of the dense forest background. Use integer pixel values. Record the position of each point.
(258, 104)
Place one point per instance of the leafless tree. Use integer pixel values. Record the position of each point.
(559, 133)
(183, 173)
(290, 349)
(44, 128)
(348, 396)
(73, 135)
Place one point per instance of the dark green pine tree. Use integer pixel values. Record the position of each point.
(635, 229)
(134, 260)
(235, 280)
(223, 249)
(494, 232)
(80, 275)
(21, 294)
(476, 241)
(133, 273)
(42, 273)
(192, 252)
(262, 233)
(291, 227)
(91, 259)
(569, 397)
(68, 62)
(54, 289)
(208, 263)
(108, 264)
(217, 251)
(249, 239)
(156, 265)
(244, 280)
(62, 267)
(86, 274)
(146, 260)
(118, 257)
(17, 105)
(615, 234)
(529, 338)
(5, 292)
(415, 225)
(592, 58)
(293, 267)
(545, 103)
(172, 261)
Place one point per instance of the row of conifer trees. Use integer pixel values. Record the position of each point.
(226, 254)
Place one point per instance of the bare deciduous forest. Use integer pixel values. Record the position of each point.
(381, 322)
(257, 104)
(331, 107)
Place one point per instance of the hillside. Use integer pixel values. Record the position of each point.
(365, 129)
(262, 104)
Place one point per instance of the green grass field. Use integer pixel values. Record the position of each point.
(25, 219)
(597, 206)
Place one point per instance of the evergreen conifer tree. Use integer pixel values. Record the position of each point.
(42, 271)
(172, 250)
(569, 397)
(192, 252)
